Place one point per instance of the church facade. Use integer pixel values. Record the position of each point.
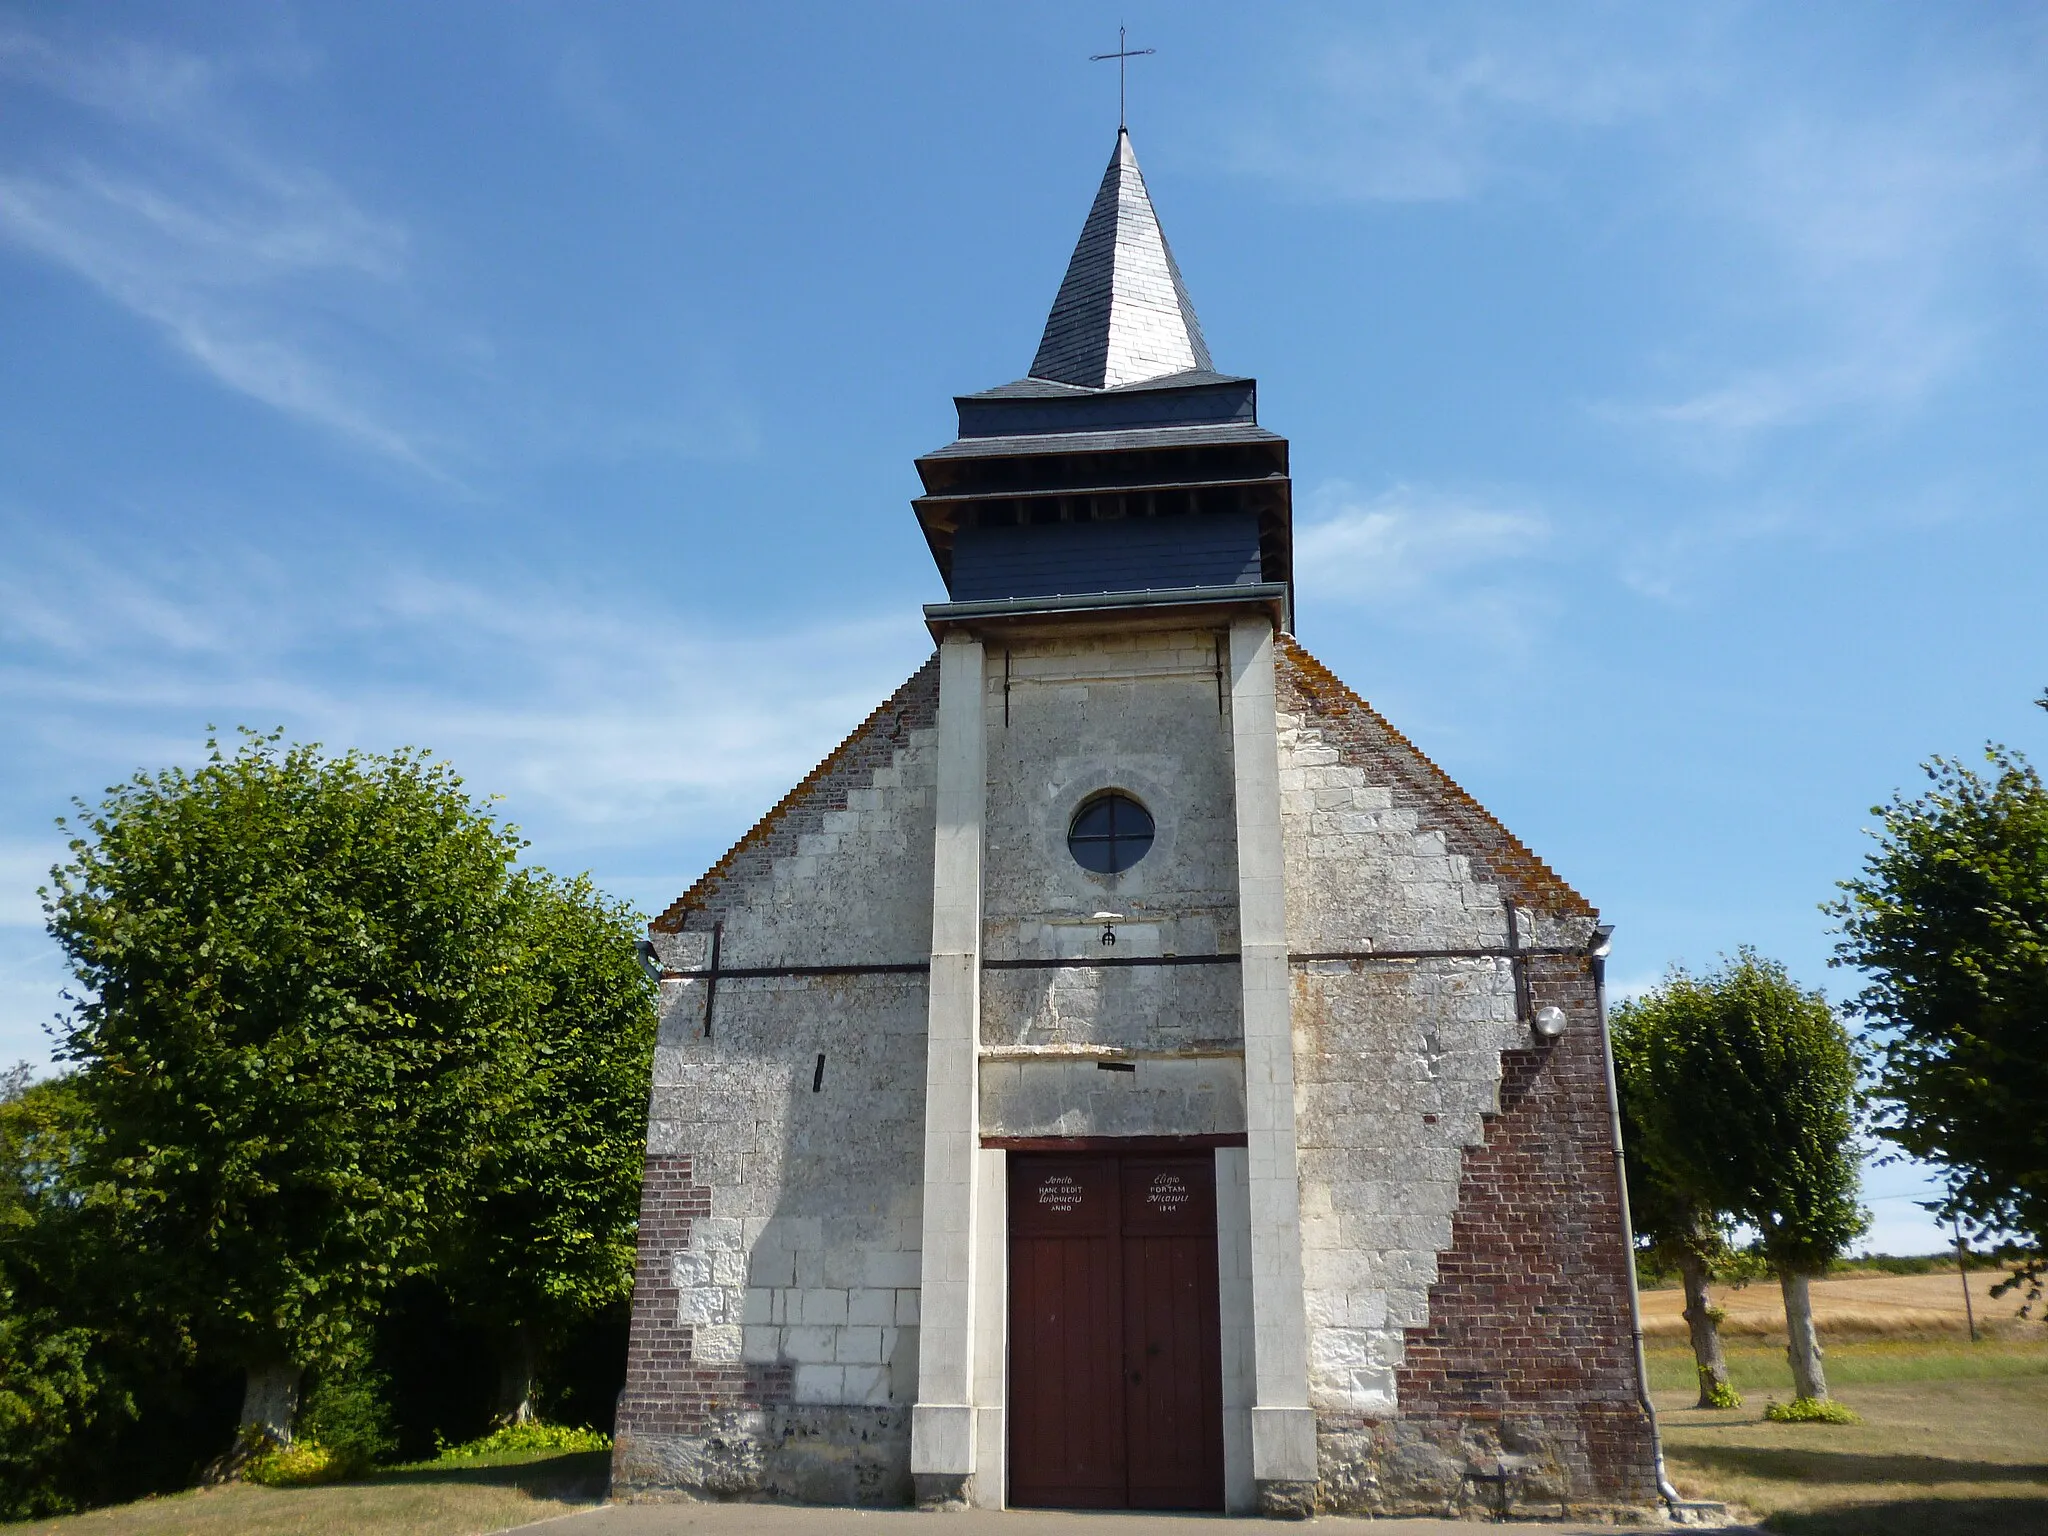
(1127, 1072)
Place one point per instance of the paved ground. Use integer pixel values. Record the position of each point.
(792, 1520)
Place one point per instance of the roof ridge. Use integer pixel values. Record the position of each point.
(698, 896)
(1322, 686)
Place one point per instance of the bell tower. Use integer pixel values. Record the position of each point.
(1124, 471)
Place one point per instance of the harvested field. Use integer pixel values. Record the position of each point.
(1862, 1306)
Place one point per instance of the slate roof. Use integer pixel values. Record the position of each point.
(1052, 389)
(1123, 314)
(1105, 442)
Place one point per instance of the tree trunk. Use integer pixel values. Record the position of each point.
(516, 1378)
(1802, 1348)
(1706, 1332)
(270, 1399)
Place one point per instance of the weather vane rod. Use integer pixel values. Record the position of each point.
(1122, 53)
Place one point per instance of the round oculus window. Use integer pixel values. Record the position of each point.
(1110, 834)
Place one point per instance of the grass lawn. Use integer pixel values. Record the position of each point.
(1954, 1438)
(442, 1498)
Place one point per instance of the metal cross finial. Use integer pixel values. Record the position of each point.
(1122, 53)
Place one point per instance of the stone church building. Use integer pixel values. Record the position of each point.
(1127, 1072)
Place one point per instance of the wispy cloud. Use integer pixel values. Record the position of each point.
(25, 865)
(31, 968)
(600, 718)
(616, 717)
(582, 87)
(1881, 242)
(124, 79)
(1402, 543)
(32, 979)
(1675, 560)
(253, 267)
(621, 738)
(1421, 557)
(709, 420)
(1845, 241)
(1712, 425)
(146, 172)
(1438, 106)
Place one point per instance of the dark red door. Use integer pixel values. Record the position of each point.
(1066, 1334)
(1115, 1352)
(1173, 1345)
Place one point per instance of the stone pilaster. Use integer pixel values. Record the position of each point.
(1282, 1422)
(991, 1328)
(942, 1440)
(1234, 1309)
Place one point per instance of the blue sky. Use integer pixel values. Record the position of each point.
(540, 384)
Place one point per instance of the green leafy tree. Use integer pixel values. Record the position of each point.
(549, 1236)
(294, 971)
(1676, 1228)
(1949, 923)
(52, 1389)
(100, 1397)
(40, 1193)
(1754, 1117)
(50, 1394)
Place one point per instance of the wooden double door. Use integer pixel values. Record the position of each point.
(1116, 1378)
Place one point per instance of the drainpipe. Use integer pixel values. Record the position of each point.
(1603, 942)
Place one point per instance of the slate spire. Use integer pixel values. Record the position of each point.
(1123, 314)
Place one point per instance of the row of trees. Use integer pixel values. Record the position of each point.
(1742, 1093)
(1737, 1090)
(330, 1041)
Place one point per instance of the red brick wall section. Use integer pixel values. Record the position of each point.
(665, 1394)
(1529, 1315)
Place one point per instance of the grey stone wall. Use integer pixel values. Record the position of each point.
(850, 891)
(809, 1257)
(797, 1290)
(1067, 719)
(1394, 1070)
(1159, 1096)
(1132, 712)
(1395, 1062)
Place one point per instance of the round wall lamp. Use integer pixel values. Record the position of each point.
(1549, 1022)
